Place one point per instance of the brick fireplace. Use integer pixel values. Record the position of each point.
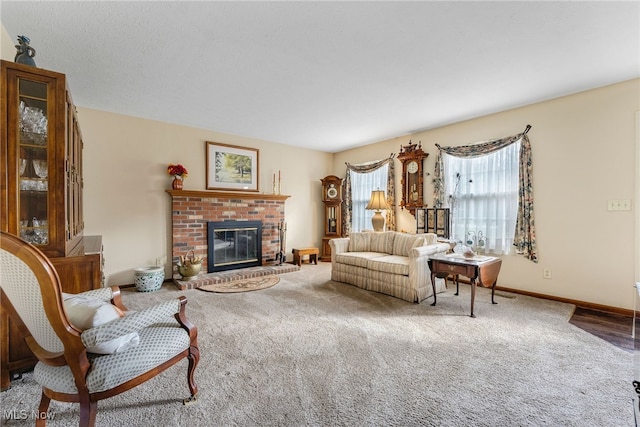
(191, 210)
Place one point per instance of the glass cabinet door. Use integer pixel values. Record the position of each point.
(33, 146)
(41, 179)
(332, 220)
(333, 224)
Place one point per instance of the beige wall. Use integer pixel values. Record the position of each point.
(7, 49)
(125, 181)
(583, 154)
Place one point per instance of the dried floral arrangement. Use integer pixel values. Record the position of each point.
(177, 170)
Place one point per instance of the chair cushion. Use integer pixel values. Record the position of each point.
(85, 312)
(158, 343)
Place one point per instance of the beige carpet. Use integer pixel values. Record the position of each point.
(242, 285)
(312, 352)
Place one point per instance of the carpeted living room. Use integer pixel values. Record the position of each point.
(234, 168)
(310, 351)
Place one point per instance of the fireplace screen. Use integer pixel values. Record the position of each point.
(234, 244)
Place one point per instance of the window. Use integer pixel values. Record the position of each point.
(482, 193)
(362, 184)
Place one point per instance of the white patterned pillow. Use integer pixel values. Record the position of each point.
(382, 242)
(403, 243)
(359, 242)
(85, 312)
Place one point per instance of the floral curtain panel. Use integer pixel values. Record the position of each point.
(524, 235)
(390, 192)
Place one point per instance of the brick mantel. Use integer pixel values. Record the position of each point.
(191, 210)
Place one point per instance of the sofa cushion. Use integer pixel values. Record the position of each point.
(403, 243)
(394, 264)
(359, 242)
(358, 259)
(382, 241)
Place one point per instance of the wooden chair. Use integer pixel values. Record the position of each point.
(66, 370)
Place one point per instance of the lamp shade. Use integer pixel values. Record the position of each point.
(378, 201)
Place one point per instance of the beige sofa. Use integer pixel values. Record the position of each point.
(391, 263)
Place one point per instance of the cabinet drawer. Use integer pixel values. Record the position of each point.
(442, 267)
(456, 269)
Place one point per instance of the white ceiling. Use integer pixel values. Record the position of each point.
(327, 75)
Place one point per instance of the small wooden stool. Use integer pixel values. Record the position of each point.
(299, 253)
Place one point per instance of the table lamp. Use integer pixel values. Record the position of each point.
(378, 202)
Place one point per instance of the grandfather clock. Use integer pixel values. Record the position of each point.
(332, 199)
(412, 158)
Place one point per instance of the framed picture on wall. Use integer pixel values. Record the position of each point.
(230, 167)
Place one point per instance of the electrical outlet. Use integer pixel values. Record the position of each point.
(546, 273)
(160, 261)
(619, 205)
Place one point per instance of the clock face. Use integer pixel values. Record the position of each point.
(412, 167)
(332, 192)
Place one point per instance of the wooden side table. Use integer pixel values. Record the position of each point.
(299, 253)
(479, 269)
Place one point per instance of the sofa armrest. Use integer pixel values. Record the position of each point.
(429, 250)
(338, 246)
(419, 256)
(419, 272)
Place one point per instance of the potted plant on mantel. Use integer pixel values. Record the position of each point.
(178, 172)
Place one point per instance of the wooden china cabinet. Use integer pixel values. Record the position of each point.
(41, 191)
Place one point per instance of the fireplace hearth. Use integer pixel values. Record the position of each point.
(233, 245)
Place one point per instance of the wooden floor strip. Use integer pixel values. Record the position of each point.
(611, 327)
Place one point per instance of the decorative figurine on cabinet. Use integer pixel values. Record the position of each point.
(25, 53)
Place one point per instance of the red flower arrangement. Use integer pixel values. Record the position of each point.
(177, 170)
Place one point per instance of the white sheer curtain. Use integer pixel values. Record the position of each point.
(362, 184)
(482, 193)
